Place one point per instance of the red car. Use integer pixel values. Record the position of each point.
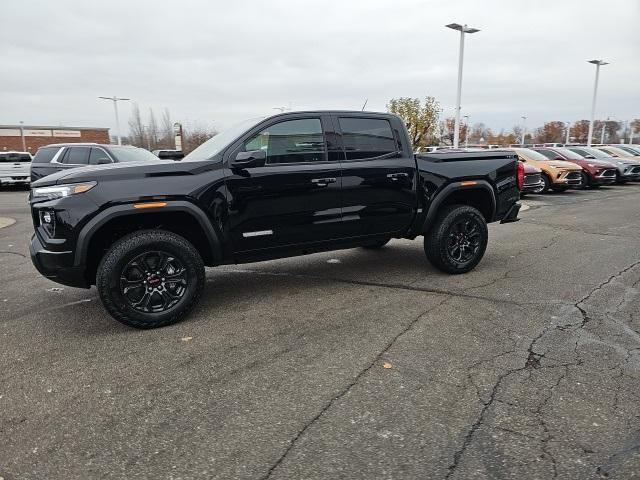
(533, 182)
(594, 172)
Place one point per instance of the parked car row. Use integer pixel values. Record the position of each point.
(578, 166)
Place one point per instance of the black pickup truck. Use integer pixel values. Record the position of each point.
(291, 184)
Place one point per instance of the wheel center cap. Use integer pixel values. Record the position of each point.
(154, 281)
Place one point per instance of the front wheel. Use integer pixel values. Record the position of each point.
(457, 241)
(150, 278)
(584, 181)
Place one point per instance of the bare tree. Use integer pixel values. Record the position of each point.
(152, 131)
(195, 135)
(167, 139)
(136, 128)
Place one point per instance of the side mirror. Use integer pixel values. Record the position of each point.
(104, 161)
(251, 159)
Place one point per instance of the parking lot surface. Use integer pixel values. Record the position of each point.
(349, 364)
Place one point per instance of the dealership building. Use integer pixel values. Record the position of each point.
(31, 137)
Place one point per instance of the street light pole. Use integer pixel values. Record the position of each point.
(598, 64)
(524, 129)
(462, 29)
(24, 143)
(568, 131)
(115, 101)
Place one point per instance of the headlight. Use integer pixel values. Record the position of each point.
(591, 165)
(60, 191)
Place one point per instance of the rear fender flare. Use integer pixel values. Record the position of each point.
(455, 187)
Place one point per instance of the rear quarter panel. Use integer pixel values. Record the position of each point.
(500, 173)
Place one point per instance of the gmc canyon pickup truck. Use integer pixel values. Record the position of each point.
(290, 184)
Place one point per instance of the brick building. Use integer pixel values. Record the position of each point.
(35, 136)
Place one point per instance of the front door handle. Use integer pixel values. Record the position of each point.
(397, 176)
(323, 182)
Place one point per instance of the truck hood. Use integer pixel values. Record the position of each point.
(115, 171)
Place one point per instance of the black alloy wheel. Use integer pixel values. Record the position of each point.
(457, 240)
(153, 282)
(464, 239)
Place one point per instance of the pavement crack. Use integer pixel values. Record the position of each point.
(348, 387)
(13, 253)
(396, 286)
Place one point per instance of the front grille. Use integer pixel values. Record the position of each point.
(532, 179)
(608, 173)
(574, 176)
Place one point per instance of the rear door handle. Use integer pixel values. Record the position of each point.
(323, 182)
(397, 176)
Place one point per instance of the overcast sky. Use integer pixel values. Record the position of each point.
(217, 62)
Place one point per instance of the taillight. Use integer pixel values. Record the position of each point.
(520, 175)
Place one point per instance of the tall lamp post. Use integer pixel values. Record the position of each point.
(524, 129)
(568, 131)
(598, 64)
(115, 101)
(462, 29)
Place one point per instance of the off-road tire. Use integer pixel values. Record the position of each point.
(436, 240)
(127, 248)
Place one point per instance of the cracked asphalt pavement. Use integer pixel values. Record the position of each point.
(351, 364)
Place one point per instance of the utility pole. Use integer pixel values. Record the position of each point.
(24, 142)
(598, 64)
(462, 29)
(115, 101)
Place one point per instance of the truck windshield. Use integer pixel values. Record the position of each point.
(215, 144)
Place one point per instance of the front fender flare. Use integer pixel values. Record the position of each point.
(87, 232)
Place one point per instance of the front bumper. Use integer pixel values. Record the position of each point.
(57, 266)
(604, 178)
(15, 180)
(630, 173)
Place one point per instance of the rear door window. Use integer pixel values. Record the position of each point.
(46, 154)
(365, 138)
(98, 156)
(77, 156)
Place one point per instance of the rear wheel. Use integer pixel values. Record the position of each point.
(150, 278)
(457, 241)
